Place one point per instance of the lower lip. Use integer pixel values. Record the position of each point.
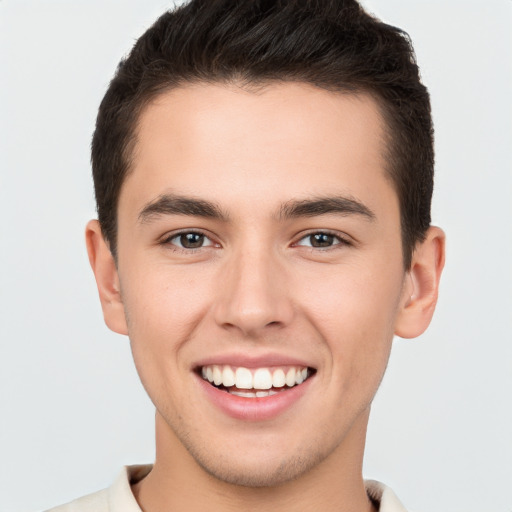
(258, 408)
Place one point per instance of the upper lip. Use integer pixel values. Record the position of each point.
(245, 360)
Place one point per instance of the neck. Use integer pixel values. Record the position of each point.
(177, 482)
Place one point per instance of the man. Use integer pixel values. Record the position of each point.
(263, 174)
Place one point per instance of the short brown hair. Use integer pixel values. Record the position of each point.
(332, 44)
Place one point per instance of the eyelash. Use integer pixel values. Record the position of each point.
(167, 241)
(337, 240)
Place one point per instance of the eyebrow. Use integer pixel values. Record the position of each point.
(170, 204)
(324, 205)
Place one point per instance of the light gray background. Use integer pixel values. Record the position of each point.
(72, 410)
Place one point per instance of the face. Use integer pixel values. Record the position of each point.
(260, 272)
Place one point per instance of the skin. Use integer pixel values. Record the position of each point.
(258, 287)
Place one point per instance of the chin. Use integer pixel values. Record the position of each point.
(247, 470)
(264, 475)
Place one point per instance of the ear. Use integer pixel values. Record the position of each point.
(421, 285)
(107, 278)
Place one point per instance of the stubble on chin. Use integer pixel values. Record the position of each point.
(233, 470)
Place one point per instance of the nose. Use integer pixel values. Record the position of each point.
(253, 295)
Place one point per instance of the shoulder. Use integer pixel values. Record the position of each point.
(383, 497)
(96, 502)
(117, 498)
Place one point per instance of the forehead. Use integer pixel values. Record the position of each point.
(271, 143)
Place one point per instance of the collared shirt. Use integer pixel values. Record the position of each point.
(119, 497)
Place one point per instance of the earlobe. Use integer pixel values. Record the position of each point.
(107, 278)
(421, 285)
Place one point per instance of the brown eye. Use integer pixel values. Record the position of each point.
(190, 240)
(320, 240)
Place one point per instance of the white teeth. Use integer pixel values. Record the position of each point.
(243, 378)
(278, 379)
(253, 394)
(245, 394)
(217, 376)
(262, 379)
(290, 377)
(270, 392)
(228, 377)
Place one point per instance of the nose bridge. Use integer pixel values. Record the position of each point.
(254, 292)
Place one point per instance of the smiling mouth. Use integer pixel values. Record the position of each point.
(256, 382)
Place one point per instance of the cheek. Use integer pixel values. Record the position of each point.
(163, 309)
(355, 316)
(361, 297)
(163, 306)
(163, 296)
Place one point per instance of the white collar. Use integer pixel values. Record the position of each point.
(121, 499)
